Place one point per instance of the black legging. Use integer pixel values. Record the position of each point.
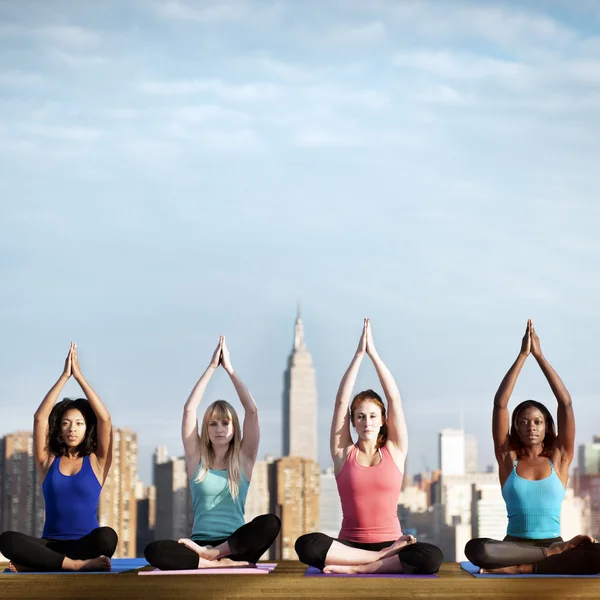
(493, 554)
(44, 554)
(248, 543)
(418, 558)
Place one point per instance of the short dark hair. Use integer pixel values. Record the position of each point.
(55, 444)
(374, 397)
(515, 441)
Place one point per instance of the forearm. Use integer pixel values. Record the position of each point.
(348, 381)
(507, 384)
(96, 403)
(388, 383)
(243, 394)
(197, 392)
(556, 385)
(50, 398)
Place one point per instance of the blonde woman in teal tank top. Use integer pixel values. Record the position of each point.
(220, 460)
(533, 462)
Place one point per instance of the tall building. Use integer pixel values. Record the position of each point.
(452, 452)
(174, 517)
(299, 400)
(330, 507)
(257, 500)
(294, 484)
(146, 515)
(21, 499)
(118, 505)
(589, 457)
(471, 454)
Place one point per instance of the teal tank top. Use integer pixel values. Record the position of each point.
(533, 507)
(216, 514)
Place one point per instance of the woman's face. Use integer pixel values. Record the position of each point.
(531, 426)
(72, 428)
(220, 431)
(367, 420)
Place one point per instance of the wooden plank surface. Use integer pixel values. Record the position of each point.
(287, 582)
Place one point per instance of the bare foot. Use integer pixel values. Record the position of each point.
(18, 568)
(514, 570)
(222, 563)
(206, 552)
(401, 542)
(100, 563)
(346, 569)
(560, 547)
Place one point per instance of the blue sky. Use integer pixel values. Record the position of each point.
(171, 171)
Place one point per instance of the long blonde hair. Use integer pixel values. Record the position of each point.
(220, 410)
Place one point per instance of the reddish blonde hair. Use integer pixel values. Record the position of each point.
(374, 397)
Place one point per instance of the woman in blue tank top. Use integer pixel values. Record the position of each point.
(72, 441)
(219, 461)
(533, 462)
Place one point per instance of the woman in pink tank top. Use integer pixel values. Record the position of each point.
(369, 478)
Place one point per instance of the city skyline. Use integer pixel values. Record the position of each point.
(173, 171)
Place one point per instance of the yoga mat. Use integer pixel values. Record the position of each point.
(473, 570)
(260, 569)
(314, 572)
(119, 565)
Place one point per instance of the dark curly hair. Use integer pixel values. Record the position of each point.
(55, 444)
(375, 398)
(515, 441)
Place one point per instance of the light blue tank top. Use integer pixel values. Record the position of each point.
(216, 514)
(533, 507)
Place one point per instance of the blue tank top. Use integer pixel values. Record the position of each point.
(216, 514)
(533, 507)
(71, 502)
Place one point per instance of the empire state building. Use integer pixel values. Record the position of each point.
(299, 400)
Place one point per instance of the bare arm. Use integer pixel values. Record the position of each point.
(251, 429)
(397, 430)
(566, 417)
(340, 439)
(40, 418)
(500, 417)
(104, 423)
(189, 424)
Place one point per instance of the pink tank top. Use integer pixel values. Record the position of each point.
(369, 497)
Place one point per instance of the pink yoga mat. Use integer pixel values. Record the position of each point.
(260, 569)
(314, 572)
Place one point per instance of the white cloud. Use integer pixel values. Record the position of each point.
(64, 132)
(247, 92)
(19, 79)
(70, 35)
(459, 65)
(358, 33)
(77, 61)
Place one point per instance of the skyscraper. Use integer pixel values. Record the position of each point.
(452, 452)
(299, 400)
(21, 500)
(118, 505)
(294, 486)
(174, 517)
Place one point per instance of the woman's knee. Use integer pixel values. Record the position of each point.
(151, 552)
(476, 551)
(421, 559)
(270, 525)
(312, 548)
(107, 540)
(7, 542)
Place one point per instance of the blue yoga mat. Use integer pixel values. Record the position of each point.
(473, 570)
(119, 565)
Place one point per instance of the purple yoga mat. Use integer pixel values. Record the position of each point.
(260, 569)
(314, 572)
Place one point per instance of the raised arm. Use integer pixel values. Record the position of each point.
(104, 425)
(40, 418)
(340, 440)
(397, 430)
(189, 424)
(566, 418)
(251, 429)
(500, 417)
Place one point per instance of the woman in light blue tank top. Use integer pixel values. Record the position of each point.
(219, 461)
(533, 460)
(71, 441)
